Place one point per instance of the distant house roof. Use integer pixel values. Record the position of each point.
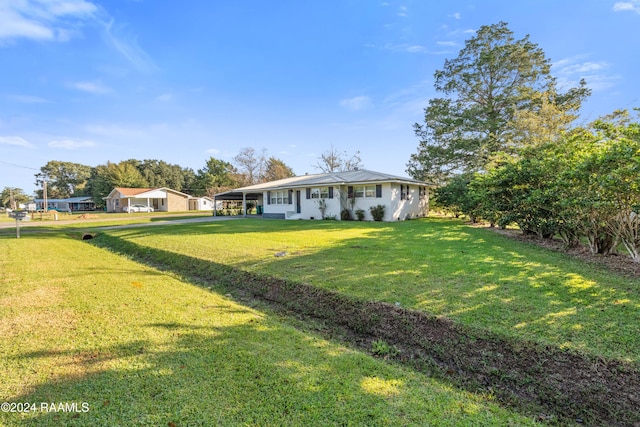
(130, 192)
(360, 176)
(86, 199)
(140, 192)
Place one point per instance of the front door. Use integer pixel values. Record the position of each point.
(298, 207)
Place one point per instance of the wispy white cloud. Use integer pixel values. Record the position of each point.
(356, 103)
(456, 15)
(213, 151)
(71, 144)
(624, 6)
(402, 11)
(447, 43)
(16, 140)
(43, 19)
(96, 88)
(403, 47)
(128, 47)
(27, 99)
(569, 71)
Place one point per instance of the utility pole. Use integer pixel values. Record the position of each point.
(44, 194)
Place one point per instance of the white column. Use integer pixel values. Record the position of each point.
(244, 204)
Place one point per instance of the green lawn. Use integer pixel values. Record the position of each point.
(473, 276)
(79, 324)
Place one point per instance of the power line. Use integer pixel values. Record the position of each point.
(18, 166)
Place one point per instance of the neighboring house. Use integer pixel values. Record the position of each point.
(71, 204)
(301, 197)
(202, 204)
(160, 199)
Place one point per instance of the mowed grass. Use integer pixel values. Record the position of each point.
(473, 276)
(79, 324)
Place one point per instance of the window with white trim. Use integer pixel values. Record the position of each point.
(364, 191)
(279, 197)
(320, 193)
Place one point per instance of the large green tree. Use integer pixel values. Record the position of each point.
(158, 173)
(64, 179)
(217, 176)
(276, 169)
(105, 178)
(494, 79)
(12, 197)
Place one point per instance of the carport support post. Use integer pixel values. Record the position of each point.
(244, 204)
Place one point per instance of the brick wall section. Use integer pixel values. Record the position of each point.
(176, 203)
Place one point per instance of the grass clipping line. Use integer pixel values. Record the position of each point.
(524, 375)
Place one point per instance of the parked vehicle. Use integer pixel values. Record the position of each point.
(137, 208)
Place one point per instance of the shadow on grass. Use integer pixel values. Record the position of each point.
(521, 373)
(250, 373)
(476, 277)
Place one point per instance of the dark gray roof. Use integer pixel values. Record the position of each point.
(360, 176)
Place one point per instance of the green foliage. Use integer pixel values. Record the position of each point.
(217, 176)
(458, 198)
(360, 214)
(345, 215)
(64, 179)
(492, 82)
(158, 173)
(12, 197)
(584, 185)
(276, 169)
(377, 212)
(382, 348)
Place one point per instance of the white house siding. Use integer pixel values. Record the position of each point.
(396, 208)
(413, 206)
(286, 209)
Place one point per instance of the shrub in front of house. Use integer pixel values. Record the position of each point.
(377, 212)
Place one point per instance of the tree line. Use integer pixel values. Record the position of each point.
(249, 166)
(502, 145)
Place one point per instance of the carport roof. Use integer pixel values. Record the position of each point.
(332, 178)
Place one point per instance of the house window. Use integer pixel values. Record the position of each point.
(423, 193)
(364, 190)
(117, 203)
(320, 193)
(404, 192)
(279, 197)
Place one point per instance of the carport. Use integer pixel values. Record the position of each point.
(239, 195)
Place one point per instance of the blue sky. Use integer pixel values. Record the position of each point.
(95, 81)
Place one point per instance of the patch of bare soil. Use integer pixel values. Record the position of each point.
(617, 263)
(550, 384)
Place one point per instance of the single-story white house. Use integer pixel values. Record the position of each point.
(84, 203)
(160, 199)
(326, 195)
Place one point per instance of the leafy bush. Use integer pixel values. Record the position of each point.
(382, 348)
(360, 214)
(377, 212)
(345, 215)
